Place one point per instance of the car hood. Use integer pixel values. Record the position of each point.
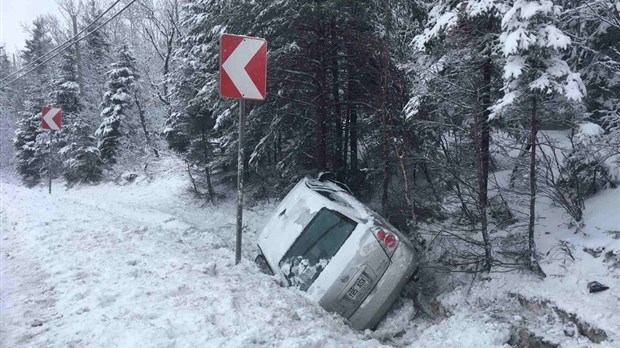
(291, 216)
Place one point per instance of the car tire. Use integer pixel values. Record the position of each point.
(262, 264)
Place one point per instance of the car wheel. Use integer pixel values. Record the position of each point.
(262, 264)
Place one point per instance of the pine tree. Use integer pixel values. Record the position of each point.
(5, 64)
(535, 72)
(38, 44)
(82, 161)
(96, 46)
(321, 89)
(117, 104)
(199, 116)
(80, 155)
(533, 46)
(5, 112)
(31, 156)
(96, 59)
(595, 29)
(31, 146)
(67, 90)
(5, 70)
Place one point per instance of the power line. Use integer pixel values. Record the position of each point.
(78, 40)
(65, 44)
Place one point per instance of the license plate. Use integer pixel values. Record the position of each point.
(360, 284)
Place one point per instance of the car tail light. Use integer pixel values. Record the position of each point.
(388, 241)
(381, 235)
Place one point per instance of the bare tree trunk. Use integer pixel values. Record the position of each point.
(169, 51)
(427, 176)
(482, 140)
(385, 122)
(279, 147)
(485, 136)
(209, 185)
(205, 153)
(352, 122)
(345, 146)
(515, 171)
(191, 178)
(354, 166)
(321, 125)
(78, 56)
(533, 262)
(337, 160)
(410, 202)
(482, 202)
(173, 18)
(142, 120)
(386, 163)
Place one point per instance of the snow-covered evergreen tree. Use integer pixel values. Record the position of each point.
(197, 110)
(5, 64)
(5, 110)
(117, 103)
(595, 28)
(95, 48)
(5, 70)
(324, 79)
(96, 58)
(31, 143)
(66, 88)
(80, 155)
(534, 49)
(535, 73)
(82, 161)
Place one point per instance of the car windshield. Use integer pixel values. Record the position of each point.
(315, 247)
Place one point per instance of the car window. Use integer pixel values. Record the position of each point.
(314, 248)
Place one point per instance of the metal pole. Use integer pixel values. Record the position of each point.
(240, 181)
(49, 166)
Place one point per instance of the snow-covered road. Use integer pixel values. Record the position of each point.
(129, 266)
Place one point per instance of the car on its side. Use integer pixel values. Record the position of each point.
(345, 256)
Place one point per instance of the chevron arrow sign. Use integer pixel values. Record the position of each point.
(51, 118)
(243, 67)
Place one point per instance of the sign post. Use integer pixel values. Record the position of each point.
(240, 181)
(50, 162)
(51, 119)
(243, 75)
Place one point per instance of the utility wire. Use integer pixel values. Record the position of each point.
(65, 45)
(68, 42)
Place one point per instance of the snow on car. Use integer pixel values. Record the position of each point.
(341, 253)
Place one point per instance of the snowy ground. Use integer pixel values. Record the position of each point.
(138, 265)
(144, 265)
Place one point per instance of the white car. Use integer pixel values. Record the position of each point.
(341, 253)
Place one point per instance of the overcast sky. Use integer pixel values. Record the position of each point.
(15, 13)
